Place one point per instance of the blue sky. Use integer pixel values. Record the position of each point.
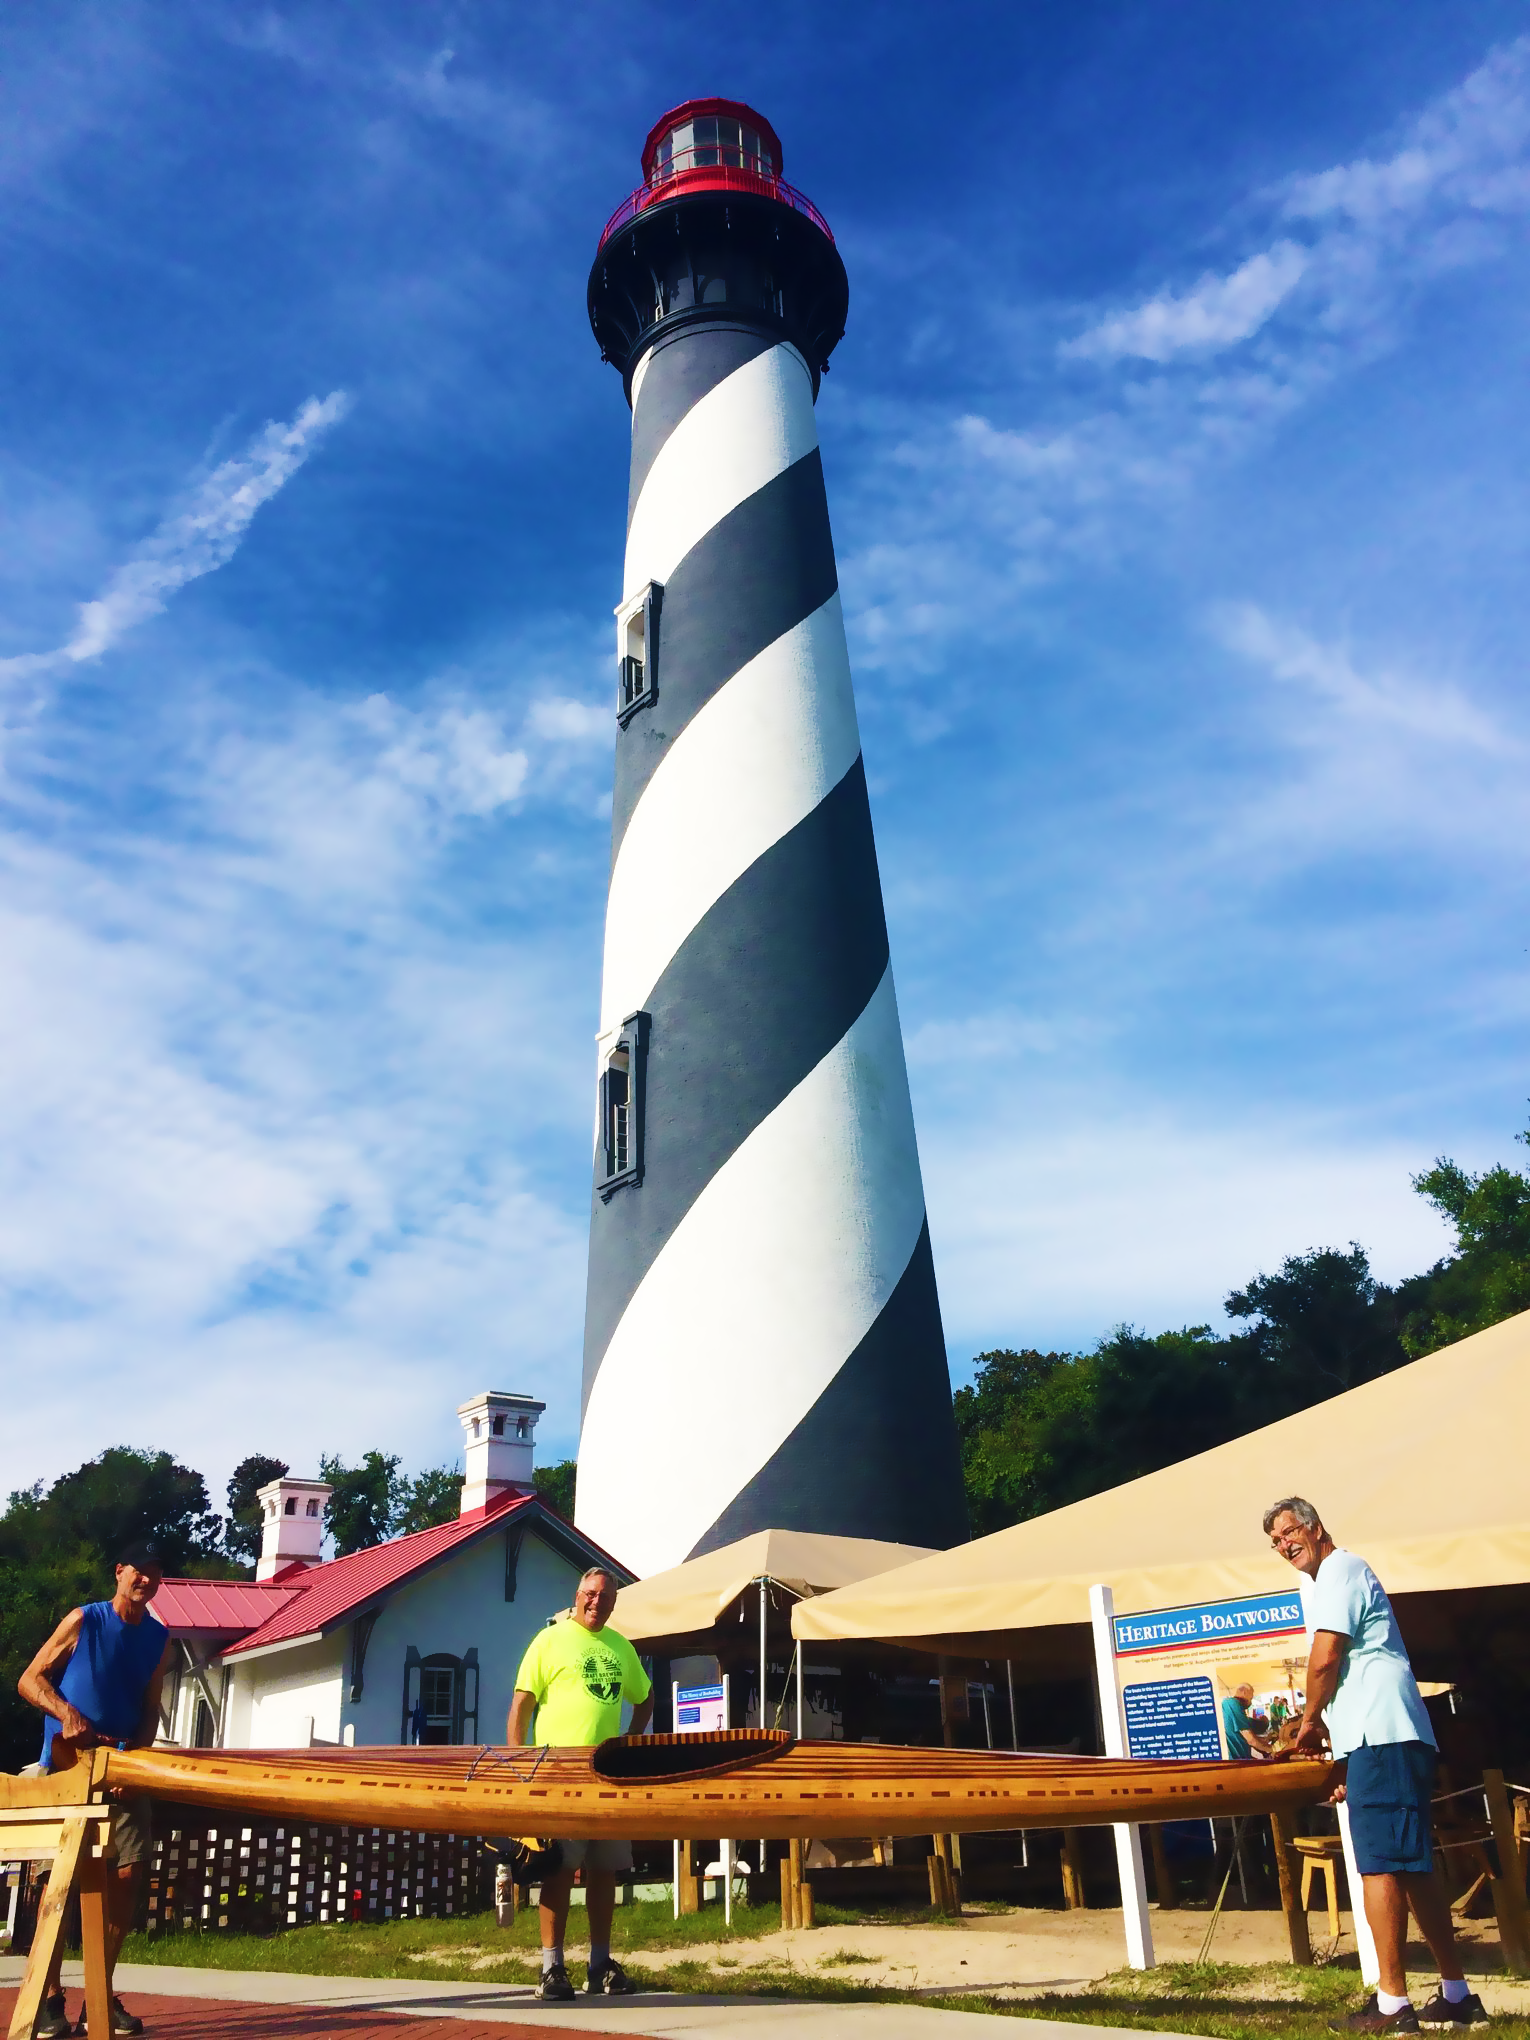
(1177, 458)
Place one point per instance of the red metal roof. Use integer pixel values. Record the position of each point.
(224, 1607)
(310, 1601)
(331, 1592)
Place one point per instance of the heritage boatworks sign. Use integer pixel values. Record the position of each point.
(1175, 1666)
(1262, 1618)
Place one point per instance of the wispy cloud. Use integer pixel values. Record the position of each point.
(202, 534)
(1182, 382)
(270, 1087)
(1372, 226)
(1437, 714)
(1217, 312)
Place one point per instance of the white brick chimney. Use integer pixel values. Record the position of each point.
(291, 1523)
(498, 1430)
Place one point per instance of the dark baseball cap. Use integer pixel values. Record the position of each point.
(143, 1553)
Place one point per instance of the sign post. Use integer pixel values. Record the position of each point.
(700, 1710)
(1365, 1940)
(1134, 1909)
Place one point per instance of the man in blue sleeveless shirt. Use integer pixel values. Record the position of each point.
(97, 1679)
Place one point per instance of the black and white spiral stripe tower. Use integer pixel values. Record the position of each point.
(763, 1345)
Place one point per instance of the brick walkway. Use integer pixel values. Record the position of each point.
(178, 2018)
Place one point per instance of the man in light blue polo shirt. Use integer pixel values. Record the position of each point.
(1359, 1678)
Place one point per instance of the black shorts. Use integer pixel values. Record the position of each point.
(1387, 1788)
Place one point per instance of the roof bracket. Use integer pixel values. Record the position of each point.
(361, 1636)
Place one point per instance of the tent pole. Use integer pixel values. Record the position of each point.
(1014, 1719)
(764, 1592)
(799, 1689)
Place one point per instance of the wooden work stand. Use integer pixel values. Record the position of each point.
(39, 1824)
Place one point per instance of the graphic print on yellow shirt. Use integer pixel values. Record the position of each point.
(579, 1679)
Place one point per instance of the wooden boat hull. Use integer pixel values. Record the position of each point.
(743, 1782)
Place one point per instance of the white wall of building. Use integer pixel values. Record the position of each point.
(282, 1700)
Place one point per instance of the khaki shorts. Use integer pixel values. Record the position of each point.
(597, 1855)
(133, 1830)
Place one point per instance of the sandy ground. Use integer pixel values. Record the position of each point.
(1027, 1952)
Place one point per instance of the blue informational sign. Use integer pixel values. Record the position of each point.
(701, 1707)
(1172, 1718)
(1258, 1616)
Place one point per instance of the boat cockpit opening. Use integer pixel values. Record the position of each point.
(629, 1758)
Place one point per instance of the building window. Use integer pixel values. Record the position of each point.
(291, 1506)
(440, 1697)
(622, 1073)
(313, 1508)
(499, 1427)
(637, 653)
(438, 1700)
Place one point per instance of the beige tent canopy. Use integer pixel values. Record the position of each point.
(682, 1607)
(1421, 1472)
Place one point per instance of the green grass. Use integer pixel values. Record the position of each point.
(395, 1947)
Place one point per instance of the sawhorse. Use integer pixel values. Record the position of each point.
(76, 1840)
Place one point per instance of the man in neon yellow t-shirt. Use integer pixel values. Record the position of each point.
(574, 1677)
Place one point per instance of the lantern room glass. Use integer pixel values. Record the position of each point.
(710, 141)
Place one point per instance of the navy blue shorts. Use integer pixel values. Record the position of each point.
(1387, 1789)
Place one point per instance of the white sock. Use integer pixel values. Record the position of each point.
(1386, 2004)
(552, 1958)
(1456, 1989)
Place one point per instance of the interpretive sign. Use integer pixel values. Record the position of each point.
(700, 1710)
(1175, 1666)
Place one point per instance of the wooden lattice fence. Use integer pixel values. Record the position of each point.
(252, 1875)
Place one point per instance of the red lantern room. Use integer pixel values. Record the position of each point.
(707, 139)
(714, 230)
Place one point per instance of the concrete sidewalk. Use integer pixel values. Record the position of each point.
(278, 2006)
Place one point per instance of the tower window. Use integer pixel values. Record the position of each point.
(291, 1506)
(620, 1159)
(313, 1508)
(637, 653)
(499, 1427)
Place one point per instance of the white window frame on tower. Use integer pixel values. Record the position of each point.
(637, 652)
(619, 1126)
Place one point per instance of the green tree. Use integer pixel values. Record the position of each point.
(1039, 1430)
(432, 1497)
(1488, 1277)
(1322, 1325)
(555, 1484)
(242, 1524)
(119, 1496)
(1008, 1422)
(362, 1510)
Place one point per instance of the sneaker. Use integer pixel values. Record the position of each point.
(1440, 2014)
(612, 1981)
(554, 1987)
(123, 2021)
(1372, 2019)
(52, 2022)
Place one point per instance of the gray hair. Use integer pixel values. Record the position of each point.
(1293, 1505)
(599, 1572)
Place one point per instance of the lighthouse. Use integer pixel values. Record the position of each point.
(763, 1344)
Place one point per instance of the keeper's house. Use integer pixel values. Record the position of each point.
(415, 1640)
